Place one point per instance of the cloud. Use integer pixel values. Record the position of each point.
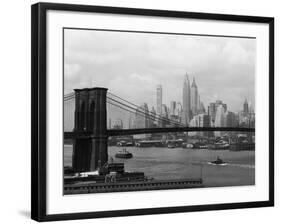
(132, 64)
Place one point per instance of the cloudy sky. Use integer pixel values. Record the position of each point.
(131, 65)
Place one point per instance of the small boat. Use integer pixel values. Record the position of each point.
(124, 154)
(171, 146)
(218, 161)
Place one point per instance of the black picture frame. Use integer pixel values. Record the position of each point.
(39, 122)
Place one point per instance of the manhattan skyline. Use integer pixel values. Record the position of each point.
(133, 64)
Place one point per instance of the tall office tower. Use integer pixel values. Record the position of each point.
(186, 101)
(159, 100)
(200, 120)
(152, 117)
(173, 107)
(194, 97)
(212, 113)
(246, 107)
(164, 116)
(231, 119)
(220, 120)
(251, 108)
(201, 108)
(212, 109)
(142, 116)
(178, 111)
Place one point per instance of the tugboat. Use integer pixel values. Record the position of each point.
(171, 146)
(219, 161)
(124, 154)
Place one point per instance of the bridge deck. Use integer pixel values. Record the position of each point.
(119, 132)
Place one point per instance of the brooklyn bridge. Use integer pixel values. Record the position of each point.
(90, 134)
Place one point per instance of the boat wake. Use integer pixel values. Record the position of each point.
(246, 166)
(223, 164)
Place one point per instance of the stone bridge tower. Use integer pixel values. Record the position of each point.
(90, 150)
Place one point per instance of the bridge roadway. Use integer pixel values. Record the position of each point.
(119, 132)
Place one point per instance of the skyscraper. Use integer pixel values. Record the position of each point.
(201, 108)
(220, 120)
(164, 116)
(142, 119)
(173, 107)
(186, 101)
(142, 116)
(194, 97)
(246, 107)
(212, 109)
(200, 120)
(231, 119)
(159, 100)
(152, 117)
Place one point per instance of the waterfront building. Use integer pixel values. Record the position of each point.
(201, 108)
(179, 110)
(212, 110)
(177, 116)
(186, 101)
(159, 100)
(142, 120)
(246, 120)
(252, 120)
(246, 107)
(173, 105)
(231, 119)
(142, 116)
(194, 97)
(200, 120)
(165, 116)
(247, 115)
(251, 108)
(152, 118)
(193, 122)
(220, 120)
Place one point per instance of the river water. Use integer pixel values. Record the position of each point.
(177, 163)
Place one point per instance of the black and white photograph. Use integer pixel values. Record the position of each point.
(152, 111)
(142, 111)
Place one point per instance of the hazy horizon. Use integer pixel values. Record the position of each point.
(131, 65)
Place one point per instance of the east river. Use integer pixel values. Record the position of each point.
(177, 163)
